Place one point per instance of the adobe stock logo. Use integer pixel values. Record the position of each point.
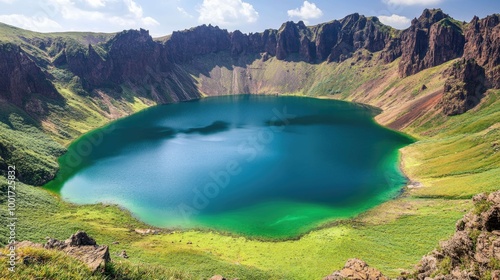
(220, 179)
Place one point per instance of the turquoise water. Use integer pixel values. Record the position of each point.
(262, 166)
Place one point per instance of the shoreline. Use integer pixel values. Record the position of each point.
(403, 190)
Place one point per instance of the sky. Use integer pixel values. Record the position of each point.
(162, 17)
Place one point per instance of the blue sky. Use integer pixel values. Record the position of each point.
(162, 17)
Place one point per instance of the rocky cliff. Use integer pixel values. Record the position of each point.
(432, 39)
(482, 44)
(131, 58)
(464, 87)
(332, 41)
(154, 68)
(22, 82)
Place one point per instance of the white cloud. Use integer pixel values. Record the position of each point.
(36, 23)
(95, 3)
(7, 1)
(396, 21)
(149, 21)
(227, 12)
(134, 8)
(183, 12)
(133, 18)
(307, 11)
(412, 2)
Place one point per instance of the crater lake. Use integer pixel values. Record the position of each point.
(259, 166)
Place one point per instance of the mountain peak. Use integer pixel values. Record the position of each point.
(428, 18)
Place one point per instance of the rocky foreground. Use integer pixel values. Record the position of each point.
(79, 246)
(472, 253)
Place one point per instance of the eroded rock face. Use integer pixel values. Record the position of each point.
(356, 269)
(21, 79)
(332, 41)
(482, 38)
(464, 87)
(184, 45)
(432, 39)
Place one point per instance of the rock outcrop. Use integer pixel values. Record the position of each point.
(482, 43)
(80, 246)
(474, 251)
(432, 39)
(22, 82)
(332, 41)
(464, 87)
(154, 68)
(356, 269)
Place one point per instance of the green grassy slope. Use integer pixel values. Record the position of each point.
(458, 156)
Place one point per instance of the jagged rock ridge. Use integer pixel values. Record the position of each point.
(155, 68)
(432, 39)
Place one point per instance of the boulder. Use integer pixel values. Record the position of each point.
(80, 238)
(95, 257)
(458, 247)
(82, 247)
(356, 269)
(123, 254)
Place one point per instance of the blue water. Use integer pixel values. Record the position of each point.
(253, 165)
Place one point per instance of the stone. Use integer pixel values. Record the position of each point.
(459, 246)
(80, 238)
(95, 257)
(82, 247)
(356, 269)
(123, 254)
(427, 265)
(55, 244)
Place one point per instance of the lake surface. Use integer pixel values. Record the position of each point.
(262, 166)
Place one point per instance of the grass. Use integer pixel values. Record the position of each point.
(312, 256)
(52, 264)
(23, 141)
(459, 157)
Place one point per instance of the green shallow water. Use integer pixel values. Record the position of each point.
(261, 166)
